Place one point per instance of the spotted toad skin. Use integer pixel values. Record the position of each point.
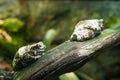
(87, 29)
(27, 55)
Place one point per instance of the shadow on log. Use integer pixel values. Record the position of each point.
(69, 56)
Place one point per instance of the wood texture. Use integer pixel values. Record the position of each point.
(69, 56)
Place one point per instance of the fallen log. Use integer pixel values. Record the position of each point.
(69, 56)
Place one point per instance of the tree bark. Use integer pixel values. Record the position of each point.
(69, 56)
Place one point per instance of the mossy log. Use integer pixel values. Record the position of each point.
(69, 56)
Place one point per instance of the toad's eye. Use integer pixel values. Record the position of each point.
(36, 47)
(74, 37)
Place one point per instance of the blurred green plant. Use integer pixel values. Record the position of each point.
(12, 24)
(50, 37)
(69, 76)
(112, 22)
(11, 38)
(84, 76)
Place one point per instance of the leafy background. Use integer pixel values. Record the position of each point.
(24, 22)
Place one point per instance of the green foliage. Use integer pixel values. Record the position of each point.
(12, 28)
(84, 76)
(12, 24)
(7, 49)
(69, 76)
(112, 22)
(49, 37)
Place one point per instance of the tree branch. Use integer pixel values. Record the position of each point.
(68, 56)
